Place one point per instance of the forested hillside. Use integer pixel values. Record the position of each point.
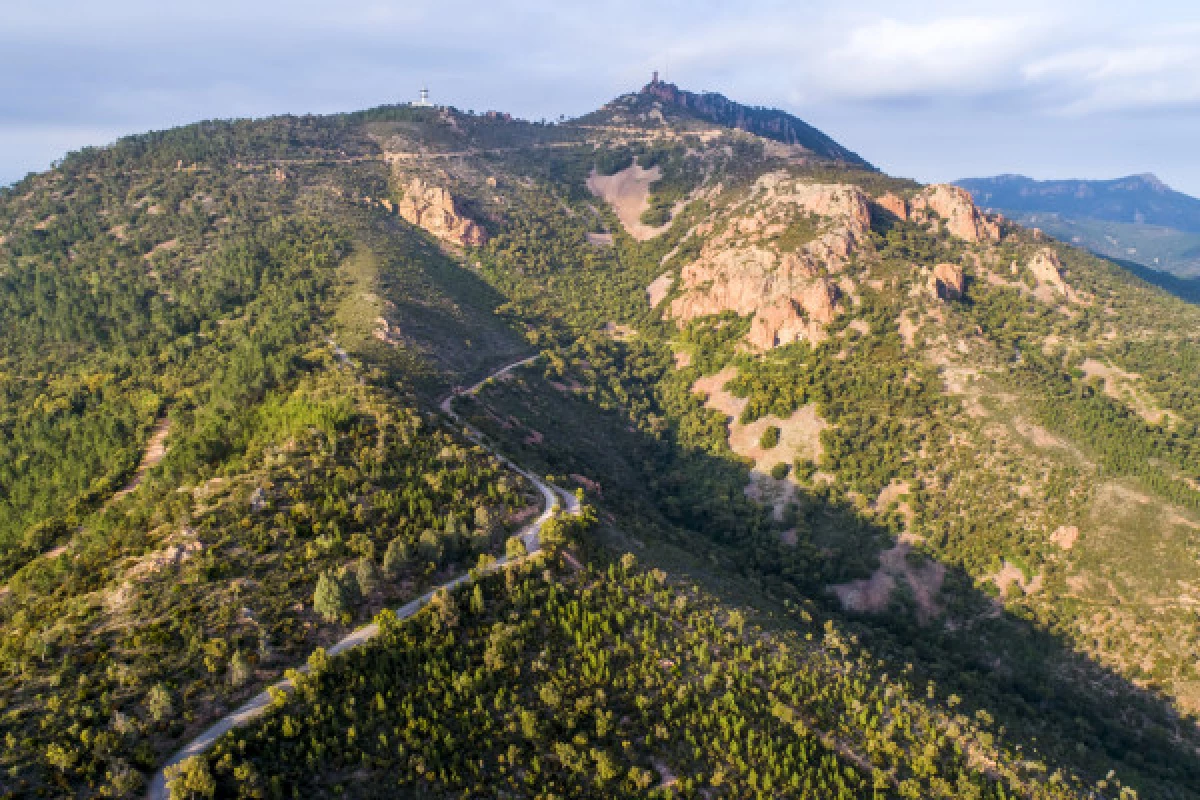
(892, 498)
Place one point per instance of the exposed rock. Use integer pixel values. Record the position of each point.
(657, 291)
(1047, 268)
(955, 206)
(894, 204)
(947, 282)
(432, 208)
(790, 319)
(790, 294)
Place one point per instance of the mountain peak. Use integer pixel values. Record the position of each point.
(769, 123)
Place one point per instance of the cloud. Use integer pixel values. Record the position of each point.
(1163, 74)
(890, 58)
(84, 69)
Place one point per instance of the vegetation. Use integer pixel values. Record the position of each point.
(966, 583)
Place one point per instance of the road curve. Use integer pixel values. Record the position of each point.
(554, 498)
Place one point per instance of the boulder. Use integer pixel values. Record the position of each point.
(432, 208)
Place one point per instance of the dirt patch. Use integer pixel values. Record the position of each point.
(1011, 575)
(908, 329)
(659, 287)
(619, 332)
(534, 437)
(682, 359)
(799, 435)
(891, 493)
(860, 325)
(1064, 536)
(167, 557)
(169, 244)
(156, 448)
(1039, 436)
(767, 491)
(1121, 385)
(628, 192)
(871, 595)
(713, 388)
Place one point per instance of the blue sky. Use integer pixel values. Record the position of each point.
(932, 90)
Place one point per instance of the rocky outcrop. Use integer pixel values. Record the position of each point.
(947, 282)
(432, 208)
(791, 295)
(955, 206)
(893, 204)
(802, 315)
(1047, 269)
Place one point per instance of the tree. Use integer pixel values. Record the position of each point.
(397, 555)
(515, 547)
(367, 575)
(445, 609)
(430, 546)
(158, 702)
(329, 600)
(190, 778)
(239, 669)
(770, 437)
(477, 604)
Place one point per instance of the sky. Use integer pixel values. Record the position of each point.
(930, 90)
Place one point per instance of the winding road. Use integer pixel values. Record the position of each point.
(555, 499)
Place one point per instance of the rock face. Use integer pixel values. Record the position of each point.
(947, 282)
(790, 294)
(1047, 268)
(894, 204)
(956, 207)
(432, 208)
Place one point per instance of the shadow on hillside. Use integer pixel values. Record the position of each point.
(1076, 713)
(1184, 288)
(445, 326)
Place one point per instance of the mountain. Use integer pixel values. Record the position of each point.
(667, 102)
(843, 486)
(1137, 217)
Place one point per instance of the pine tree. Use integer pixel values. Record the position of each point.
(396, 556)
(367, 575)
(158, 702)
(329, 599)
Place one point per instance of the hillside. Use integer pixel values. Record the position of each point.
(887, 496)
(1138, 217)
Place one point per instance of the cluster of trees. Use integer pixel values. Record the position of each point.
(602, 684)
(132, 290)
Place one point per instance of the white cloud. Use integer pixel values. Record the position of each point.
(1162, 74)
(889, 58)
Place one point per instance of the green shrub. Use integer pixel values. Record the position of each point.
(610, 162)
(780, 471)
(770, 437)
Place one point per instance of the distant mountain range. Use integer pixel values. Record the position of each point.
(1136, 218)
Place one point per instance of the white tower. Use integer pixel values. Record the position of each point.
(424, 101)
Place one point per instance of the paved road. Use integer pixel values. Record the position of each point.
(554, 498)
